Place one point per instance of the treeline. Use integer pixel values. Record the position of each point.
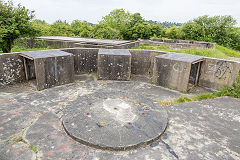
(120, 24)
(17, 22)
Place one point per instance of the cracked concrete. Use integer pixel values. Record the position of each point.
(197, 130)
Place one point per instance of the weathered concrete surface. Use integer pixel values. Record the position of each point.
(11, 69)
(197, 130)
(172, 70)
(217, 73)
(114, 64)
(85, 60)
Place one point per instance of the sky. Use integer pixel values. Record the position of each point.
(157, 10)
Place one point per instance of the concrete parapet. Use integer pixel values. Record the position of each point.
(214, 73)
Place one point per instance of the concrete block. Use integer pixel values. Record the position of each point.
(52, 67)
(173, 70)
(85, 59)
(114, 64)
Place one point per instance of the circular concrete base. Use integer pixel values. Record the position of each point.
(115, 121)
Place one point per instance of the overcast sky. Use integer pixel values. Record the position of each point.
(159, 10)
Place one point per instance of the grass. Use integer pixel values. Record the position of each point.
(20, 49)
(19, 139)
(219, 52)
(233, 91)
(33, 148)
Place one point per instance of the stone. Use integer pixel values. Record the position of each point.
(114, 64)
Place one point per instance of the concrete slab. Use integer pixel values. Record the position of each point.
(197, 130)
(181, 57)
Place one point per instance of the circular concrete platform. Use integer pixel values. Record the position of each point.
(115, 120)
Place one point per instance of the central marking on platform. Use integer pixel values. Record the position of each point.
(120, 110)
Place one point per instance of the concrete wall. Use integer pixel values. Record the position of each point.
(74, 44)
(143, 61)
(216, 73)
(85, 59)
(179, 44)
(127, 45)
(11, 69)
(38, 43)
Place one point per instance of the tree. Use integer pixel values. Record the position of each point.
(172, 32)
(82, 29)
(117, 19)
(61, 28)
(218, 29)
(42, 27)
(157, 30)
(104, 31)
(141, 30)
(15, 22)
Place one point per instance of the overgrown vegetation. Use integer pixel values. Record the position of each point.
(219, 52)
(16, 22)
(233, 91)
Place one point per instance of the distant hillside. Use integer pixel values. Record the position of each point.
(165, 24)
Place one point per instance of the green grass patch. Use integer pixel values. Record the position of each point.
(21, 49)
(219, 52)
(19, 139)
(33, 148)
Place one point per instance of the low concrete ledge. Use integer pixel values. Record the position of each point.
(179, 44)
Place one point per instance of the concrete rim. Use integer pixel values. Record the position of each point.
(84, 126)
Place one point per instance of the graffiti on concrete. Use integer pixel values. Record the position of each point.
(219, 70)
(222, 68)
(177, 67)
